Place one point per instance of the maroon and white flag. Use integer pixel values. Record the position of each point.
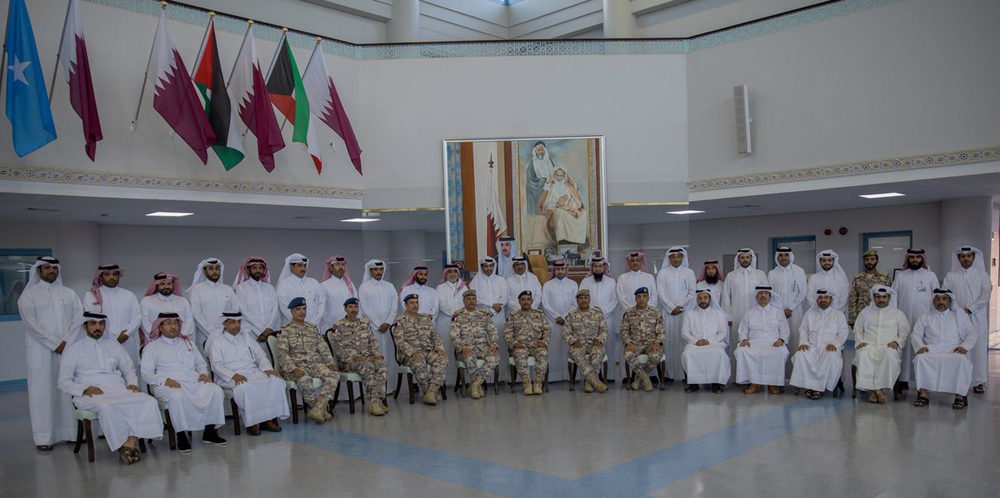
(253, 104)
(175, 98)
(76, 69)
(325, 103)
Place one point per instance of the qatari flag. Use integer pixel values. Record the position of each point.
(249, 92)
(76, 69)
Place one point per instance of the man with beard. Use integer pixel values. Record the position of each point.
(675, 284)
(379, 303)
(209, 297)
(585, 331)
(420, 348)
(527, 333)
(705, 331)
(738, 291)
(637, 276)
(293, 283)
(304, 355)
(339, 288)
(603, 295)
(474, 338)
(971, 285)
(491, 295)
(818, 360)
(357, 351)
(942, 339)
(711, 278)
(879, 335)
(831, 277)
(860, 296)
(416, 283)
(789, 281)
(914, 288)
(258, 301)
(522, 280)
(506, 252)
(540, 167)
(558, 297)
(642, 333)
(121, 307)
(450, 291)
(164, 296)
(761, 354)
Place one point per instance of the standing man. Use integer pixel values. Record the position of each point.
(521, 280)
(449, 292)
(705, 331)
(303, 356)
(642, 334)
(711, 278)
(475, 338)
(942, 340)
(357, 351)
(491, 295)
(971, 285)
(48, 310)
(636, 277)
(586, 332)
(527, 333)
(860, 296)
(789, 281)
(558, 297)
(880, 332)
(293, 283)
(257, 299)
(164, 296)
(416, 283)
(378, 304)
(818, 360)
(831, 277)
(339, 288)
(121, 307)
(738, 292)
(209, 297)
(604, 296)
(421, 349)
(914, 288)
(761, 354)
(675, 284)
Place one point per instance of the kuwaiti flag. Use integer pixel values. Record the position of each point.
(285, 88)
(325, 103)
(76, 70)
(249, 91)
(175, 98)
(210, 81)
(27, 101)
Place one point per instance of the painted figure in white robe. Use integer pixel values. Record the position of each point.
(738, 294)
(818, 361)
(209, 297)
(339, 288)
(761, 354)
(492, 294)
(107, 297)
(257, 299)
(379, 303)
(558, 298)
(705, 331)
(292, 283)
(970, 282)
(789, 281)
(880, 332)
(636, 277)
(675, 286)
(177, 374)
(561, 202)
(604, 295)
(164, 295)
(48, 310)
(941, 340)
(449, 293)
(914, 287)
(830, 276)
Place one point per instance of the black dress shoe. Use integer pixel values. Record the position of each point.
(183, 445)
(691, 388)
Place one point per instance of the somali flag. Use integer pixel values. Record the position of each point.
(27, 101)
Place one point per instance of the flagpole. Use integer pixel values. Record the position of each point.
(3, 59)
(145, 77)
(55, 69)
(274, 60)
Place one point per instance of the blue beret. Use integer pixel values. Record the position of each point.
(641, 290)
(410, 296)
(295, 303)
(352, 300)
(524, 293)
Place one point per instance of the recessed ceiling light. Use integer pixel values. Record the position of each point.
(169, 214)
(359, 220)
(882, 195)
(686, 211)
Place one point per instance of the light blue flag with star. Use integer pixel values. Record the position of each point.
(27, 101)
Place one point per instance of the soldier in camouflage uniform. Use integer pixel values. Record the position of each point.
(356, 348)
(303, 355)
(474, 337)
(419, 347)
(527, 333)
(585, 332)
(860, 295)
(642, 333)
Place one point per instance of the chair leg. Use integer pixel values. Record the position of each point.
(399, 385)
(409, 383)
(796, 390)
(294, 397)
(350, 396)
(89, 434)
(237, 423)
(572, 375)
(336, 394)
(513, 377)
(545, 382)
(661, 370)
(444, 391)
(79, 436)
(460, 381)
(628, 377)
(361, 392)
(854, 382)
(171, 433)
(604, 375)
(142, 445)
(496, 380)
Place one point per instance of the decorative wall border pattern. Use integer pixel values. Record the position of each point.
(968, 156)
(105, 179)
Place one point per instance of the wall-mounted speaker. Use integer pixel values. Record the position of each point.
(741, 97)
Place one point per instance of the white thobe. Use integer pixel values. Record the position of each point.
(878, 364)
(604, 295)
(516, 284)
(558, 297)
(378, 302)
(47, 312)
(914, 291)
(739, 296)
(942, 369)
(260, 398)
(450, 300)
(628, 282)
(155, 304)
(817, 369)
(489, 291)
(833, 283)
(208, 301)
(337, 291)
(789, 282)
(106, 365)
(195, 404)
(705, 364)
(762, 362)
(292, 287)
(122, 309)
(258, 302)
(972, 290)
(674, 287)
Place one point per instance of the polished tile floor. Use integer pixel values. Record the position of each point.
(563, 443)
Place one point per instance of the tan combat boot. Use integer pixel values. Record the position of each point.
(538, 385)
(315, 414)
(637, 382)
(596, 383)
(476, 390)
(429, 398)
(587, 386)
(528, 391)
(647, 384)
(375, 408)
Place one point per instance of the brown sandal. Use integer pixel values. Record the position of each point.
(980, 389)
(872, 397)
(126, 455)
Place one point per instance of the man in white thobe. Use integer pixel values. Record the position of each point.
(521, 280)
(830, 276)
(604, 295)
(941, 340)
(712, 278)
(914, 287)
(240, 364)
(761, 354)
(292, 283)
(492, 295)
(675, 285)
(738, 294)
(164, 295)
(120, 306)
(558, 298)
(818, 361)
(636, 277)
(48, 310)
(880, 331)
(789, 281)
(705, 330)
(177, 374)
(971, 284)
(209, 297)
(379, 302)
(339, 288)
(506, 252)
(101, 378)
(257, 299)
(449, 292)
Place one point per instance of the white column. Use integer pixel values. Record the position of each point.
(405, 23)
(618, 19)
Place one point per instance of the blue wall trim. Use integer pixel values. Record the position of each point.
(11, 385)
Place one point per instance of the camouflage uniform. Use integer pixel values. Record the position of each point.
(528, 328)
(475, 330)
(586, 326)
(418, 335)
(300, 346)
(859, 297)
(353, 339)
(643, 329)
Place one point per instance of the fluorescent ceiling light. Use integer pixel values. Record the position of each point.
(169, 214)
(686, 211)
(882, 195)
(359, 220)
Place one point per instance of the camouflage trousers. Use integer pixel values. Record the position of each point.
(429, 369)
(321, 372)
(588, 358)
(521, 355)
(632, 358)
(479, 353)
(372, 374)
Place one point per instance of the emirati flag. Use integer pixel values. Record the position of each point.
(284, 85)
(209, 79)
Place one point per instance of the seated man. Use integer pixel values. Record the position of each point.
(100, 377)
(474, 337)
(642, 332)
(705, 330)
(761, 355)
(941, 343)
(177, 374)
(880, 331)
(585, 332)
(356, 350)
(421, 349)
(241, 365)
(818, 362)
(527, 333)
(304, 355)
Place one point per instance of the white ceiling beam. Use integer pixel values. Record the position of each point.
(536, 27)
(642, 7)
